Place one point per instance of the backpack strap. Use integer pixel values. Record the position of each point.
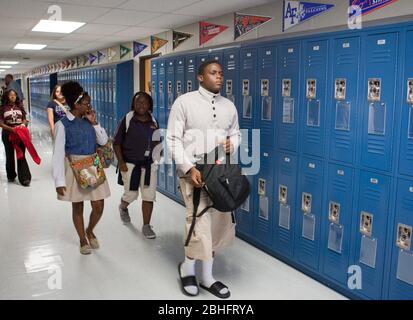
(129, 117)
(196, 199)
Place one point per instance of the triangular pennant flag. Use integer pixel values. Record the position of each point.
(370, 6)
(112, 53)
(85, 60)
(157, 43)
(296, 12)
(244, 23)
(179, 37)
(92, 58)
(138, 48)
(72, 63)
(101, 56)
(124, 51)
(207, 31)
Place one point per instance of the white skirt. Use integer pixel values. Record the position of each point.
(74, 193)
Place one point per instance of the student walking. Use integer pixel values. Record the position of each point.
(134, 147)
(57, 108)
(77, 171)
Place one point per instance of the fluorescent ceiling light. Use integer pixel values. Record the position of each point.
(5, 67)
(1, 70)
(55, 26)
(26, 46)
(9, 62)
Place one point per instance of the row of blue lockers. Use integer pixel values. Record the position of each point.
(334, 192)
(40, 91)
(110, 87)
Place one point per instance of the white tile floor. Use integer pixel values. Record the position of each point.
(37, 239)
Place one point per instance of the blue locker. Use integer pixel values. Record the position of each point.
(288, 96)
(154, 87)
(370, 224)
(244, 215)
(264, 193)
(406, 138)
(401, 273)
(285, 204)
(162, 92)
(344, 107)
(336, 225)
(248, 94)
(309, 212)
(170, 99)
(190, 73)
(216, 55)
(161, 117)
(200, 59)
(230, 65)
(378, 101)
(315, 86)
(267, 59)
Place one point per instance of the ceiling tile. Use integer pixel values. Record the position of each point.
(126, 17)
(170, 21)
(139, 32)
(157, 5)
(214, 8)
(100, 29)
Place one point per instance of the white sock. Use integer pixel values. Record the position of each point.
(188, 269)
(207, 278)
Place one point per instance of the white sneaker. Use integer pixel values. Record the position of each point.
(148, 232)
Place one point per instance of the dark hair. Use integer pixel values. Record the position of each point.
(147, 96)
(6, 94)
(205, 64)
(10, 76)
(71, 91)
(53, 95)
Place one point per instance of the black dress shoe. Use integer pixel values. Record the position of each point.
(26, 183)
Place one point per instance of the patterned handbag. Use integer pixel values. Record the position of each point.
(88, 172)
(106, 154)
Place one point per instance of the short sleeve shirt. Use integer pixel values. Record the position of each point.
(12, 115)
(59, 111)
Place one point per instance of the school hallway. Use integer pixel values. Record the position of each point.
(37, 239)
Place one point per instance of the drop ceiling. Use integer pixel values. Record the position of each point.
(108, 22)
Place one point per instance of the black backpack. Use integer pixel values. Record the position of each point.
(223, 182)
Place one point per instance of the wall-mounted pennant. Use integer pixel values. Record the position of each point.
(138, 48)
(368, 6)
(92, 58)
(101, 56)
(207, 31)
(73, 63)
(85, 60)
(296, 12)
(157, 43)
(179, 37)
(124, 51)
(244, 23)
(113, 53)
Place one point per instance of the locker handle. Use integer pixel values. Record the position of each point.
(374, 181)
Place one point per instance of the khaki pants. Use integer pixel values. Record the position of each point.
(148, 193)
(213, 230)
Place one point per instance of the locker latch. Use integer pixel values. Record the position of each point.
(153, 86)
(265, 87)
(374, 91)
(306, 203)
(228, 87)
(366, 223)
(282, 194)
(311, 88)
(245, 87)
(169, 87)
(179, 87)
(286, 89)
(189, 86)
(160, 86)
(261, 187)
(341, 89)
(404, 236)
(334, 212)
(410, 91)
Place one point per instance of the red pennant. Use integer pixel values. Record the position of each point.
(207, 31)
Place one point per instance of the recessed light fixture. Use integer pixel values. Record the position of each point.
(5, 67)
(9, 62)
(55, 26)
(26, 46)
